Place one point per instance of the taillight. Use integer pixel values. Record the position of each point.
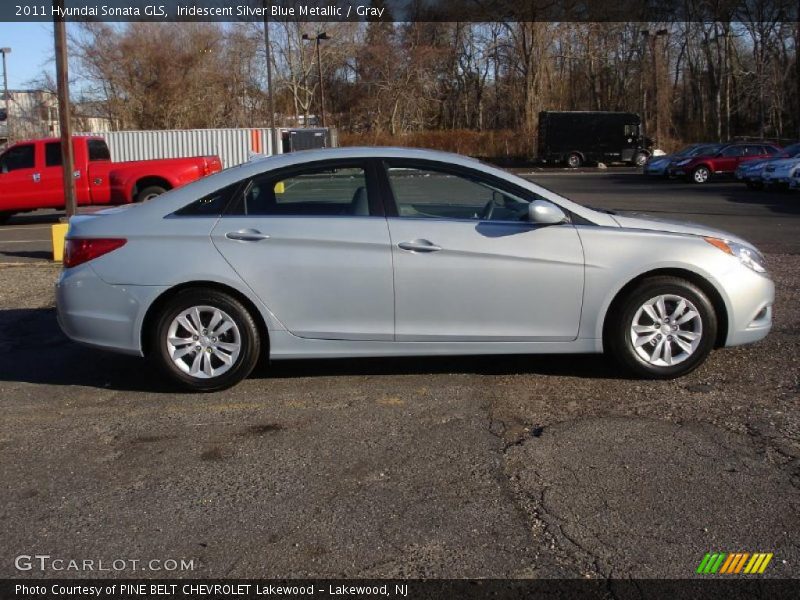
(80, 250)
(210, 166)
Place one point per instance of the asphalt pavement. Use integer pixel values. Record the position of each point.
(525, 466)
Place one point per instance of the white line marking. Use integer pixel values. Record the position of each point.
(25, 227)
(22, 241)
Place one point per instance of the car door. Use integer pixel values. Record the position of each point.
(20, 180)
(468, 266)
(729, 159)
(313, 244)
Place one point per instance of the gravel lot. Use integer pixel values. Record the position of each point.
(469, 467)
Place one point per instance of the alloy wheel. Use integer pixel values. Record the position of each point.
(666, 330)
(204, 342)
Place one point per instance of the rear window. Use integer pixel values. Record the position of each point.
(52, 154)
(98, 150)
(211, 205)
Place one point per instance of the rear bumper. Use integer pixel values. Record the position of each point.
(95, 313)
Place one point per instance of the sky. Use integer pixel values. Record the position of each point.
(31, 51)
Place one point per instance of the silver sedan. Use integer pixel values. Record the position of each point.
(387, 252)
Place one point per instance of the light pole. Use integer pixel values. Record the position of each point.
(5, 51)
(652, 37)
(319, 37)
(271, 97)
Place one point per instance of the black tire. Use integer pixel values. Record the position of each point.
(5, 217)
(574, 160)
(618, 336)
(700, 174)
(148, 193)
(249, 339)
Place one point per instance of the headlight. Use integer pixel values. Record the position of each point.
(685, 161)
(749, 257)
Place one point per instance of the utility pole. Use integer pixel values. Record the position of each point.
(62, 80)
(273, 129)
(5, 93)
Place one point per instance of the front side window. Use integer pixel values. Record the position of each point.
(321, 191)
(437, 194)
(18, 157)
(631, 130)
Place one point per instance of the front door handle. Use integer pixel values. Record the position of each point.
(37, 177)
(247, 235)
(419, 246)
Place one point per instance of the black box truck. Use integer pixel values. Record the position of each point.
(575, 138)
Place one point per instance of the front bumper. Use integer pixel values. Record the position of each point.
(95, 313)
(750, 300)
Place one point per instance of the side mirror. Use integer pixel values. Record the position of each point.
(543, 212)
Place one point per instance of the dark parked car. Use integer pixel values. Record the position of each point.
(722, 163)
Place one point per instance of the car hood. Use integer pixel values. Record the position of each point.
(784, 162)
(646, 222)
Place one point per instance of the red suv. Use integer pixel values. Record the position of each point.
(722, 164)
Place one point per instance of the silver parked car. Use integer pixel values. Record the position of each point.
(359, 252)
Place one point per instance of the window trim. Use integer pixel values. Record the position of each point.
(376, 206)
(458, 171)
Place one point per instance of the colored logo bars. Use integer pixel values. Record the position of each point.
(733, 564)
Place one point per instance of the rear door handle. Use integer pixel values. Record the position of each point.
(247, 235)
(419, 246)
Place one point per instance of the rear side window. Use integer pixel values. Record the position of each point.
(316, 191)
(733, 151)
(52, 154)
(18, 157)
(98, 150)
(211, 205)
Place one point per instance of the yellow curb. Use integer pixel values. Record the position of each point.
(59, 232)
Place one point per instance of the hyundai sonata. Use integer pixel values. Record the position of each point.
(360, 252)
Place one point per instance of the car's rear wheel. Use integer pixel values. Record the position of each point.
(701, 175)
(640, 159)
(664, 328)
(205, 340)
(149, 193)
(574, 160)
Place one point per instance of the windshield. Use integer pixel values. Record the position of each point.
(792, 151)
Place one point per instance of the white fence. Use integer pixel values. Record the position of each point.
(233, 146)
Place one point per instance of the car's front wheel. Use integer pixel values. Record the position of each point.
(664, 328)
(701, 175)
(205, 340)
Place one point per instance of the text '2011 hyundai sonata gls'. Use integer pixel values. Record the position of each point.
(358, 252)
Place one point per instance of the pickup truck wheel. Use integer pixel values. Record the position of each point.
(149, 193)
(5, 216)
(574, 160)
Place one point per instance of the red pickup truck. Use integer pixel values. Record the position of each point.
(31, 175)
